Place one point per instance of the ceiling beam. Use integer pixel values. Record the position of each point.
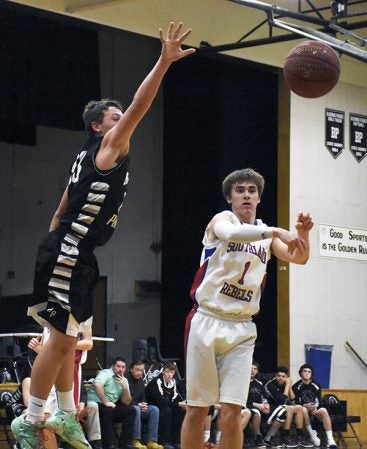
(326, 34)
(73, 6)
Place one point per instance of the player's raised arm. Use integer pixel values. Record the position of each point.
(115, 144)
(299, 250)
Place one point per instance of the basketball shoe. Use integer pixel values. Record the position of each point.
(67, 426)
(314, 438)
(28, 435)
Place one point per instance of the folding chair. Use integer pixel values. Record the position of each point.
(340, 420)
(154, 354)
(141, 352)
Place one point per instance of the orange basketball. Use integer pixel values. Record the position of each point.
(311, 69)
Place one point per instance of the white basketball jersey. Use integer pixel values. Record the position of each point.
(231, 276)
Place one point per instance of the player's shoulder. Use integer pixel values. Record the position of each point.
(225, 215)
(315, 385)
(272, 381)
(105, 373)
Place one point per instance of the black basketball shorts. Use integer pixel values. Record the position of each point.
(65, 277)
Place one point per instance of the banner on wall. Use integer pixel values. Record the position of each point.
(334, 131)
(358, 135)
(345, 243)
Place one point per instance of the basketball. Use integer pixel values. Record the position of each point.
(311, 69)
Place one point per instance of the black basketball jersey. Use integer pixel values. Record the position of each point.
(307, 393)
(275, 393)
(256, 393)
(94, 198)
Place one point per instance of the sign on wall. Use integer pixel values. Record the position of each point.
(334, 131)
(358, 135)
(346, 243)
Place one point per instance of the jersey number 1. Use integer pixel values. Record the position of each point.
(247, 266)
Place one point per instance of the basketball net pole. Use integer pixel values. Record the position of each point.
(344, 47)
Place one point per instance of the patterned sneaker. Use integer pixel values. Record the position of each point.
(67, 426)
(28, 435)
(138, 445)
(314, 438)
(304, 442)
(291, 443)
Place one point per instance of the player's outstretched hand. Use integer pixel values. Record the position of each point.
(171, 45)
(304, 222)
(293, 241)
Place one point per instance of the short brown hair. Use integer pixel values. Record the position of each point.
(245, 174)
(94, 112)
(170, 366)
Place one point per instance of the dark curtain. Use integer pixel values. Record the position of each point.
(219, 115)
(49, 70)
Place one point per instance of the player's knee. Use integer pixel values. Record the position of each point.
(196, 415)
(246, 413)
(230, 413)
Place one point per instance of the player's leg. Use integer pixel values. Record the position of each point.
(255, 424)
(192, 427)
(54, 365)
(232, 434)
(286, 439)
(302, 439)
(245, 418)
(312, 433)
(65, 422)
(276, 420)
(202, 382)
(94, 426)
(46, 369)
(323, 415)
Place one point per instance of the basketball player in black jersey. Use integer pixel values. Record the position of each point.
(66, 269)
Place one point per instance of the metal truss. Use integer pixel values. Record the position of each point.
(337, 31)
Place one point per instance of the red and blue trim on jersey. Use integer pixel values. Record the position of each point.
(199, 276)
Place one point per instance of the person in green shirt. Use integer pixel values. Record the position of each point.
(111, 391)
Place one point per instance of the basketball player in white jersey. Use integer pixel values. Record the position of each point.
(220, 334)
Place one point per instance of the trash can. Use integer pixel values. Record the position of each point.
(319, 357)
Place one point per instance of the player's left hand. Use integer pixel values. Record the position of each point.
(171, 45)
(304, 222)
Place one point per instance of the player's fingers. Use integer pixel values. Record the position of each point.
(184, 35)
(170, 30)
(189, 51)
(178, 29)
(161, 35)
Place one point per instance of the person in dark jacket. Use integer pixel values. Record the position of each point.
(144, 411)
(169, 397)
